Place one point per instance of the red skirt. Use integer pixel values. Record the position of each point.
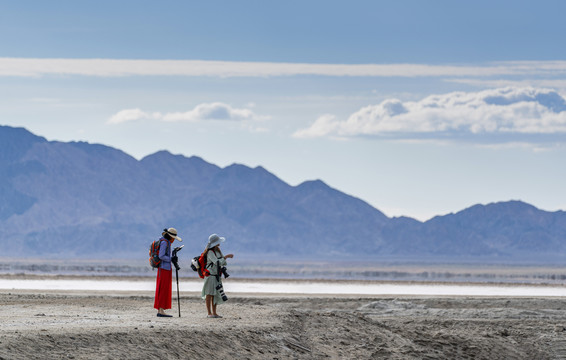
(163, 289)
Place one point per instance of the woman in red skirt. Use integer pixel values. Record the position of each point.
(164, 273)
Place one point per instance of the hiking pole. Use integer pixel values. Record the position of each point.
(175, 261)
(178, 299)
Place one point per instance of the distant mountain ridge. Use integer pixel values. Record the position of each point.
(86, 200)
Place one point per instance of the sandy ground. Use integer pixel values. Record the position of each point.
(70, 325)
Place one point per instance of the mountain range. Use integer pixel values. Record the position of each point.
(76, 199)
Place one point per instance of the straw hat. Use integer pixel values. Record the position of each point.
(171, 232)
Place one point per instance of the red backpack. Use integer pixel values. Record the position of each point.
(154, 259)
(198, 264)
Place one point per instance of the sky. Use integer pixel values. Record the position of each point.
(420, 108)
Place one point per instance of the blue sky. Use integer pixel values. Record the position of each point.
(420, 108)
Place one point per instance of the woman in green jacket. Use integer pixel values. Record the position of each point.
(215, 262)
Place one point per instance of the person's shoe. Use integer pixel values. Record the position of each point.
(163, 315)
(214, 316)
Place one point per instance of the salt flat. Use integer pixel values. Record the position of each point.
(63, 324)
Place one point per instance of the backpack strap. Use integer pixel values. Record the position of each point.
(221, 254)
(166, 250)
(168, 246)
(211, 263)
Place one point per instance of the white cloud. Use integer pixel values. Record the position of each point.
(211, 111)
(323, 126)
(127, 116)
(202, 112)
(501, 115)
(125, 67)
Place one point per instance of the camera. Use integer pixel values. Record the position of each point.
(220, 289)
(194, 264)
(224, 272)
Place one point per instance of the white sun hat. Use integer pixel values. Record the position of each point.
(172, 232)
(214, 240)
